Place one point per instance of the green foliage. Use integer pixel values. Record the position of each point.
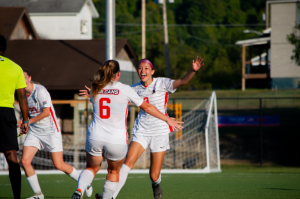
(294, 39)
(215, 44)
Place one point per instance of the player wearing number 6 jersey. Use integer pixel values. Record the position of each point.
(148, 131)
(108, 130)
(44, 134)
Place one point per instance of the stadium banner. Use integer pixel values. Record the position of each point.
(230, 121)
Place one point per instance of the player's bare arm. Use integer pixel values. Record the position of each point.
(24, 108)
(152, 110)
(195, 67)
(45, 113)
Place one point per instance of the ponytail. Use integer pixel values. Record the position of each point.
(104, 76)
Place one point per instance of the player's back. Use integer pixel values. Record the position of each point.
(110, 108)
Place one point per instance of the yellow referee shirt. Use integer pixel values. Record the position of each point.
(11, 78)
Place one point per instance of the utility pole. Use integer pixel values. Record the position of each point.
(143, 29)
(166, 38)
(110, 30)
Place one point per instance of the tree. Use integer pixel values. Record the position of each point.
(294, 39)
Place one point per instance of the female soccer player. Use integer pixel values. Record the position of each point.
(44, 134)
(108, 130)
(145, 134)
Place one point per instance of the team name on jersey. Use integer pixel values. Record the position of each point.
(110, 91)
(33, 110)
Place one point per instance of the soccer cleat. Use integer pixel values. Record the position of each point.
(77, 194)
(38, 195)
(98, 196)
(89, 191)
(157, 191)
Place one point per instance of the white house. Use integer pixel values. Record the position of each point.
(59, 19)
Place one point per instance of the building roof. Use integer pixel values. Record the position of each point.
(9, 19)
(51, 6)
(255, 41)
(62, 64)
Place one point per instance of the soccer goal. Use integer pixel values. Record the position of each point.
(196, 148)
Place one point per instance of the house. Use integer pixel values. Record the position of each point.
(59, 19)
(273, 68)
(15, 23)
(66, 66)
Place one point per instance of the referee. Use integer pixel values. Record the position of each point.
(11, 79)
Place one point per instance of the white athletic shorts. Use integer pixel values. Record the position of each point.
(157, 143)
(112, 151)
(51, 142)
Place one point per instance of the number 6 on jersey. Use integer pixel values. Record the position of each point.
(102, 108)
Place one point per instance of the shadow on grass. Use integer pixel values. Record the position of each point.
(281, 189)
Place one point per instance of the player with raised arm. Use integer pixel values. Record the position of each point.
(156, 92)
(108, 130)
(44, 134)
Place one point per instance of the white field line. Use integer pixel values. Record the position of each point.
(134, 171)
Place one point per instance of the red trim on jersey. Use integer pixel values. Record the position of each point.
(126, 114)
(166, 100)
(145, 86)
(52, 115)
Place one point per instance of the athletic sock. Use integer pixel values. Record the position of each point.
(15, 178)
(109, 188)
(122, 178)
(74, 175)
(85, 179)
(34, 184)
(157, 181)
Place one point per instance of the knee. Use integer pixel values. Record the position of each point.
(154, 175)
(25, 162)
(113, 171)
(59, 166)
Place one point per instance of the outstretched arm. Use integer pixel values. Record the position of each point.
(196, 66)
(152, 110)
(24, 108)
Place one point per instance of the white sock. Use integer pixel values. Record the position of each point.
(157, 181)
(85, 179)
(122, 178)
(109, 189)
(34, 183)
(74, 175)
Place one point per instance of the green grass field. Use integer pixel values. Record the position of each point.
(233, 182)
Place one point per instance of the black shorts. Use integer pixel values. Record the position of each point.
(8, 130)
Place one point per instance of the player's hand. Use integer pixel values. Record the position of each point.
(197, 64)
(175, 124)
(19, 122)
(85, 93)
(24, 128)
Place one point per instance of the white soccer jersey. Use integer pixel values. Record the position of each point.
(110, 107)
(157, 94)
(37, 101)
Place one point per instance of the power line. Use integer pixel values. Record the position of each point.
(213, 42)
(129, 33)
(186, 25)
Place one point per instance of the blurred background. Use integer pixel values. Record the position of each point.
(250, 50)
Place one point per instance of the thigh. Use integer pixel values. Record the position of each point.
(134, 152)
(57, 157)
(29, 152)
(93, 162)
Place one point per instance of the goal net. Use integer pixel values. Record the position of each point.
(195, 149)
(197, 146)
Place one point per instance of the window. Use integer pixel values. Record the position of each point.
(84, 27)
